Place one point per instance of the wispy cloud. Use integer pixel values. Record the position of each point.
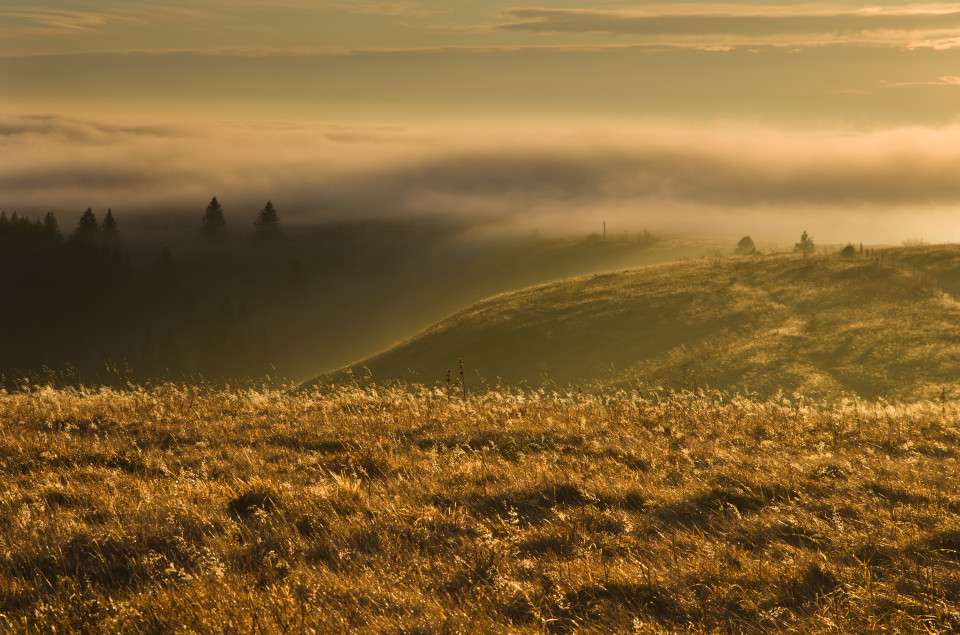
(58, 22)
(79, 132)
(27, 20)
(937, 44)
(906, 24)
(386, 8)
(339, 51)
(946, 80)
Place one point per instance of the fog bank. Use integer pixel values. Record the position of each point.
(883, 185)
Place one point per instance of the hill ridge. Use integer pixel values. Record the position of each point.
(822, 325)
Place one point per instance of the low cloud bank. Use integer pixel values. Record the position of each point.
(665, 177)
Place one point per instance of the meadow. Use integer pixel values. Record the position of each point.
(402, 509)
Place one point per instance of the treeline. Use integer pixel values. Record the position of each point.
(213, 225)
(86, 306)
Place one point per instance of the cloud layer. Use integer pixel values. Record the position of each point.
(746, 24)
(61, 26)
(665, 177)
(54, 21)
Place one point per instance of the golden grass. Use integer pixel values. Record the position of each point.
(189, 508)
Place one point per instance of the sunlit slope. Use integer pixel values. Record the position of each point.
(822, 325)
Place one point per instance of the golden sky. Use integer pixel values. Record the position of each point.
(777, 114)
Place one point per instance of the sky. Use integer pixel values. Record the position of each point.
(835, 117)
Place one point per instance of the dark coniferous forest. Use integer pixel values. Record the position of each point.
(86, 306)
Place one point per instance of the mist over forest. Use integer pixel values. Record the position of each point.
(108, 299)
(383, 231)
(881, 185)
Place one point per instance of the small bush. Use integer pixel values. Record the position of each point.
(745, 247)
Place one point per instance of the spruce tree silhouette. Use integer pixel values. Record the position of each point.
(109, 228)
(267, 225)
(88, 229)
(213, 224)
(50, 226)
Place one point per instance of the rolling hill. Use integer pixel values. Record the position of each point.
(821, 326)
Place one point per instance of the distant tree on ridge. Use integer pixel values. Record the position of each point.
(805, 246)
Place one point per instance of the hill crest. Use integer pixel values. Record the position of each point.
(820, 326)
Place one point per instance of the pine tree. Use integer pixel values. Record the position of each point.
(109, 227)
(87, 229)
(805, 245)
(51, 226)
(213, 224)
(267, 224)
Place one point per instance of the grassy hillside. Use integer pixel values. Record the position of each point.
(376, 284)
(165, 301)
(820, 325)
(939, 262)
(187, 509)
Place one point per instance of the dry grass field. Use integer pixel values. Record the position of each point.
(406, 510)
